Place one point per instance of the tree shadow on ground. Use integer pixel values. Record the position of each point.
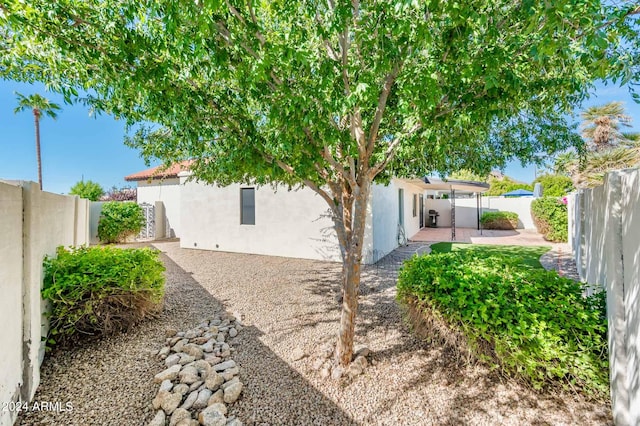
(117, 371)
(471, 388)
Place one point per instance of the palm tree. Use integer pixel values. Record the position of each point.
(601, 125)
(39, 105)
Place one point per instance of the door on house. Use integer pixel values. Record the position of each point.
(421, 201)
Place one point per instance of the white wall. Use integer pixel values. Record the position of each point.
(33, 224)
(384, 200)
(604, 228)
(169, 192)
(11, 299)
(466, 210)
(288, 223)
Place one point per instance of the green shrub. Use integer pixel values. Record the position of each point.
(87, 189)
(499, 220)
(101, 290)
(555, 185)
(119, 220)
(551, 218)
(530, 323)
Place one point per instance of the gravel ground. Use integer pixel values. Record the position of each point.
(289, 304)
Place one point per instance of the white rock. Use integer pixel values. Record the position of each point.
(179, 415)
(188, 403)
(170, 332)
(203, 398)
(178, 346)
(220, 337)
(218, 396)
(162, 353)
(170, 373)
(337, 372)
(298, 354)
(214, 380)
(233, 332)
(159, 419)
(210, 416)
(171, 402)
(229, 383)
(224, 365)
(361, 351)
(219, 407)
(192, 334)
(317, 364)
(172, 359)
(180, 334)
(186, 359)
(166, 385)
(232, 393)
(195, 385)
(194, 350)
(212, 359)
(234, 422)
(230, 372)
(189, 375)
(324, 373)
(157, 401)
(181, 388)
(208, 347)
(203, 367)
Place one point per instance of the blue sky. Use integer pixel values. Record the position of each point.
(76, 145)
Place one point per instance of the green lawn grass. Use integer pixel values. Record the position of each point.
(529, 254)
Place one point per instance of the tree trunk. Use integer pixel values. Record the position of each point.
(36, 119)
(351, 273)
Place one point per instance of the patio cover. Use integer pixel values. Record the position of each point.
(452, 186)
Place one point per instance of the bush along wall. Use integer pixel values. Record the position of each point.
(119, 220)
(100, 290)
(499, 220)
(527, 322)
(551, 218)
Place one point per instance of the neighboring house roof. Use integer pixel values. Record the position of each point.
(160, 172)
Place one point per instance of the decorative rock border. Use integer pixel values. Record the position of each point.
(323, 362)
(201, 379)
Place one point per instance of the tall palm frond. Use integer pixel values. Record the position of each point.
(601, 125)
(38, 105)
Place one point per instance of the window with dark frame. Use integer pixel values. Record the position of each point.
(247, 206)
(415, 205)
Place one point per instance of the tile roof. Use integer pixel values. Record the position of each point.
(160, 172)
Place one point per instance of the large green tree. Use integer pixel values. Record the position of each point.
(39, 106)
(327, 94)
(87, 189)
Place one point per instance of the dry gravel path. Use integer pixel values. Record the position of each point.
(287, 304)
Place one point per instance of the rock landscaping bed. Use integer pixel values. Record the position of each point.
(289, 314)
(200, 378)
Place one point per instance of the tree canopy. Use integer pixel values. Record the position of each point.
(329, 94)
(87, 189)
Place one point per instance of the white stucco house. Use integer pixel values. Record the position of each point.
(261, 220)
(160, 184)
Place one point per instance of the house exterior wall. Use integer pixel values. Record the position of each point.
(385, 215)
(169, 192)
(287, 223)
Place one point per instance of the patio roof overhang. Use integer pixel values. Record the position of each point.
(448, 185)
